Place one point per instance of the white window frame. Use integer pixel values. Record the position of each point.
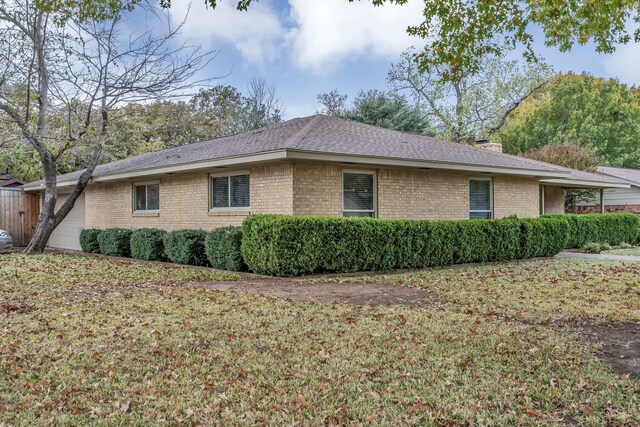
(146, 189)
(482, 178)
(375, 190)
(228, 175)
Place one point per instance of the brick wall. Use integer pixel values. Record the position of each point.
(184, 201)
(516, 196)
(422, 195)
(553, 200)
(305, 189)
(317, 189)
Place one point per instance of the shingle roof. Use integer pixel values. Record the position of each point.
(598, 177)
(322, 134)
(630, 175)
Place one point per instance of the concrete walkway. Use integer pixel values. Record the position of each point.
(598, 256)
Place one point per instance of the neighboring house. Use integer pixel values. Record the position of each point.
(617, 199)
(7, 181)
(317, 165)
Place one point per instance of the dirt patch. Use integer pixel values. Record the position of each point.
(350, 293)
(619, 344)
(18, 307)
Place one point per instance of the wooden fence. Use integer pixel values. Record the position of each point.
(19, 214)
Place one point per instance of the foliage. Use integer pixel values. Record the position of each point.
(595, 248)
(603, 116)
(115, 242)
(377, 108)
(148, 244)
(459, 34)
(611, 228)
(473, 105)
(223, 248)
(568, 154)
(543, 237)
(290, 246)
(89, 240)
(186, 247)
(139, 346)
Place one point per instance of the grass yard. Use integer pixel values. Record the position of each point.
(538, 291)
(112, 342)
(635, 251)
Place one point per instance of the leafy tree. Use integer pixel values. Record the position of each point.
(603, 115)
(474, 105)
(378, 108)
(568, 154)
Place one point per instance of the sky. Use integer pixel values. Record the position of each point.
(306, 47)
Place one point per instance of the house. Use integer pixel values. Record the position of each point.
(317, 165)
(7, 181)
(616, 199)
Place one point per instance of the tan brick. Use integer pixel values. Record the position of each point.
(306, 189)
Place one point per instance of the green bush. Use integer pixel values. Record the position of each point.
(223, 248)
(147, 244)
(290, 246)
(186, 247)
(543, 237)
(89, 240)
(610, 228)
(595, 248)
(115, 242)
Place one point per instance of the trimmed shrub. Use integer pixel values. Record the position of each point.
(147, 244)
(290, 246)
(595, 248)
(89, 240)
(115, 242)
(223, 248)
(543, 237)
(186, 247)
(610, 228)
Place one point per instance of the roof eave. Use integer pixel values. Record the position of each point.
(422, 164)
(319, 156)
(575, 183)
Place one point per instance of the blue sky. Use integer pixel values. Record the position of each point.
(305, 47)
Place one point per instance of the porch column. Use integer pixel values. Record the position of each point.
(602, 209)
(542, 207)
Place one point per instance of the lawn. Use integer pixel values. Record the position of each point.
(115, 342)
(538, 291)
(635, 251)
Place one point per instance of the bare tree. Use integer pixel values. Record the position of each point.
(74, 76)
(473, 104)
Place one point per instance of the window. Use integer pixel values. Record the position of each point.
(480, 198)
(358, 194)
(147, 197)
(230, 191)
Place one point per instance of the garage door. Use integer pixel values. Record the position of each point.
(67, 234)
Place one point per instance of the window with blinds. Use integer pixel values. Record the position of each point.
(358, 194)
(230, 191)
(480, 198)
(146, 197)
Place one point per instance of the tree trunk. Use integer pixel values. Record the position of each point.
(49, 219)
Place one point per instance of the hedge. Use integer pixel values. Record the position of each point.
(610, 228)
(186, 247)
(543, 237)
(115, 242)
(147, 244)
(223, 248)
(290, 246)
(89, 240)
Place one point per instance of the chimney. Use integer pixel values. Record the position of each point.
(484, 143)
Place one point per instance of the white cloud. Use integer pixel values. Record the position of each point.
(256, 33)
(328, 32)
(624, 63)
